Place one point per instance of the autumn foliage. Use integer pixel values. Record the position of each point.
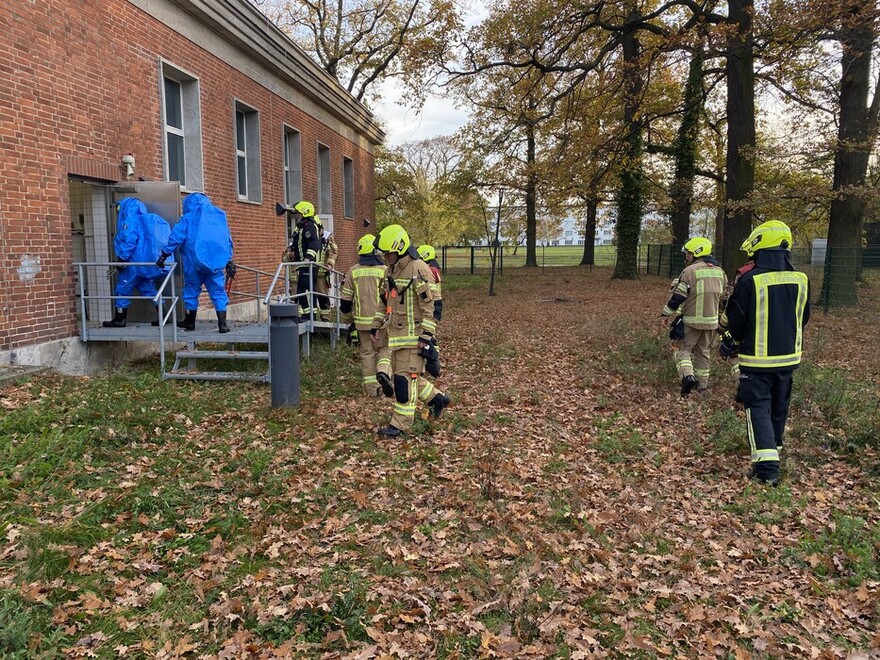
(568, 504)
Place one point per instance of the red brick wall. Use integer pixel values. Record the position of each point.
(79, 88)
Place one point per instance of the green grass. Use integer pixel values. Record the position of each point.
(846, 549)
(848, 404)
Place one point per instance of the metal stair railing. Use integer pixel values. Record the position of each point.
(309, 324)
(158, 300)
(192, 353)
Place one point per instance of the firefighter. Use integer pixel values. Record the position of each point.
(361, 306)
(432, 353)
(733, 360)
(140, 236)
(327, 257)
(203, 235)
(429, 256)
(697, 293)
(305, 246)
(410, 323)
(766, 316)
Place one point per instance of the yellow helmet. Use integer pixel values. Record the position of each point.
(306, 209)
(366, 244)
(393, 239)
(770, 234)
(427, 252)
(698, 246)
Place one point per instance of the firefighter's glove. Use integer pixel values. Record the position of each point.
(231, 269)
(160, 262)
(353, 339)
(432, 359)
(729, 347)
(676, 330)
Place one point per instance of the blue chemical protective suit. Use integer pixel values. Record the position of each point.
(140, 236)
(202, 234)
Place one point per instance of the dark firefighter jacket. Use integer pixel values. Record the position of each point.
(306, 243)
(767, 313)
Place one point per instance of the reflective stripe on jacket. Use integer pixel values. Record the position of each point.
(411, 302)
(768, 311)
(697, 295)
(362, 286)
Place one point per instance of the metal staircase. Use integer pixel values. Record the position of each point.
(205, 345)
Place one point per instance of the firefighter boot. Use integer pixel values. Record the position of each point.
(438, 403)
(189, 321)
(390, 431)
(385, 384)
(118, 320)
(688, 385)
(221, 322)
(766, 473)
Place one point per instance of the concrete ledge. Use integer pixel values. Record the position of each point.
(11, 375)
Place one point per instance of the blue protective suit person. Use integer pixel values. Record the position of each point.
(202, 234)
(140, 236)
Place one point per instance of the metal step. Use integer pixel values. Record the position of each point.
(223, 355)
(217, 375)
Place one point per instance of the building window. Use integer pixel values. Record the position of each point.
(292, 167)
(325, 200)
(348, 186)
(247, 153)
(181, 119)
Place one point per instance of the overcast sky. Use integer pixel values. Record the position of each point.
(437, 117)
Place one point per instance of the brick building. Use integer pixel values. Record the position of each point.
(207, 94)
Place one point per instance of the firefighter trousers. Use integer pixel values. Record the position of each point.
(692, 357)
(305, 286)
(766, 397)
(369, 350)
(410, 385)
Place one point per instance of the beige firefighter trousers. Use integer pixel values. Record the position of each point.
(692, 357)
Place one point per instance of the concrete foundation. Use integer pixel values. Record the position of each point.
(75, 357)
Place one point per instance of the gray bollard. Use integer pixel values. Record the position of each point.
(284, 354)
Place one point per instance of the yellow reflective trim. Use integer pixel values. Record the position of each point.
(701, 320)
(751, 431)
(769, 360)
(403, 341)
(762, 455)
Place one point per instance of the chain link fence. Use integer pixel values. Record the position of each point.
(476, 259)
(835, 273)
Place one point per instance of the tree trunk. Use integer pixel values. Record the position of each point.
(589, 257)
(685, 150)
(740, 135)
(854, 139)
(531, 199)
(629, 196)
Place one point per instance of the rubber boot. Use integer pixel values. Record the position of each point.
(189, 322)
(438, 403)
(118, 320)
(221, 322)
(158, 320)
(385, 384)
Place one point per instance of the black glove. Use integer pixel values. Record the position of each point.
(729, 347)
(160, 262)
(353, 339)
(231, 269)
(432, 358)
(676, 330)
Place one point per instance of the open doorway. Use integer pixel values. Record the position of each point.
(93, 225)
